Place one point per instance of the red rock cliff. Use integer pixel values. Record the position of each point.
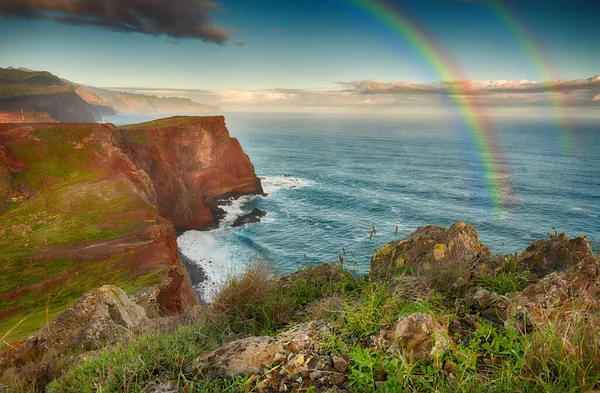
(83, 205)
(191, 161)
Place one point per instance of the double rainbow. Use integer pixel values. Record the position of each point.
(539, 61)
(495, 175)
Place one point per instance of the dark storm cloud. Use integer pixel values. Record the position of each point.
(171, 18)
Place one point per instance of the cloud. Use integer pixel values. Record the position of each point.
(468, 87)
(240, 43)
(171, 18)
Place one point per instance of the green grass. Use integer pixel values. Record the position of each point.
(42, 305)
(160, 123)
(67, 203)
(551, 359)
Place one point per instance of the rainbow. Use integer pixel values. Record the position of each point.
(496, 177)
(539, 60)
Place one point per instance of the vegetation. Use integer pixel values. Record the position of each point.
(561, 355)
(60, 201)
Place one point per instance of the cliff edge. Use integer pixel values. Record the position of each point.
(83, 205)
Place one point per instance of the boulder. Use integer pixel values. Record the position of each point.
(101, 317)
(556, 253)
(428, 246)
(420, 336)
(250, 355)
(254, 216)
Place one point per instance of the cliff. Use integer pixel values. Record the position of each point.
(82, 205)
(42, 92)
(141, 103)
(56, 99)
(64, 106)
(192, 161)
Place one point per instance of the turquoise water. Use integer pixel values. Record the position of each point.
(330, 178)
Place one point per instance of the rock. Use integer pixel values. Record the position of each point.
(340, 364)
(554, 254)
(101, 317)
(480, 299)
(191, 161)
(430, 246)
(420, 336)
(579, 281)
(253, 216)
(163, 387)
(250, 355)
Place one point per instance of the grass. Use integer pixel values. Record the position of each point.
(59, 202)
(561, 355)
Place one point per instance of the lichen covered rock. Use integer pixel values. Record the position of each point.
(420, 336)
(428, 246)
(556, 253)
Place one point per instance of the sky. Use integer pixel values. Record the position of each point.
(279, 54)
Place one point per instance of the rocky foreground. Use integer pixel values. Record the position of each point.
(437, 312)
(83, 205)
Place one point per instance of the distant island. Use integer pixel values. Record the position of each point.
(28, 96)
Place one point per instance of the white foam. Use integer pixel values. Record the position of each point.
(576, 209)
(273, 183)
(210, 251)
(205, 249)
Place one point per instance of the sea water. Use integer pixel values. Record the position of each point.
(331, 178)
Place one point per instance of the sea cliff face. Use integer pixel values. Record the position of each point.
(83, 205)
(65, 106)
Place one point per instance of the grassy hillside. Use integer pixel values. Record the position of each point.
(62, 201)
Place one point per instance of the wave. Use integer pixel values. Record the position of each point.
(274, 183)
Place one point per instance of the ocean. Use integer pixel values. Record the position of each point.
(331, 178)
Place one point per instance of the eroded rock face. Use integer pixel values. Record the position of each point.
(556, 253)
(101, 317)
(192, 161)
(420, 336)
(429, 245)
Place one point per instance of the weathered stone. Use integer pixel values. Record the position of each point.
(420, 335)
(101, 317)
(579, 281)
(556, 253)
(480, 299)
(428, 246)
(250, 355)
(163, 387)
(340, 364)
(252, 217)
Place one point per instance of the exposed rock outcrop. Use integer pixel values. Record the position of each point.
(254, 216)
(556, 253)
(192, 161)
(426, 247)
(293, 357)
(420, 336)
(101, 317)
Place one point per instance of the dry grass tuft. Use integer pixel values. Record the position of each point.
(249, 302)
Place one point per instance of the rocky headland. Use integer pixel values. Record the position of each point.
(28, 96)
(83, 205)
